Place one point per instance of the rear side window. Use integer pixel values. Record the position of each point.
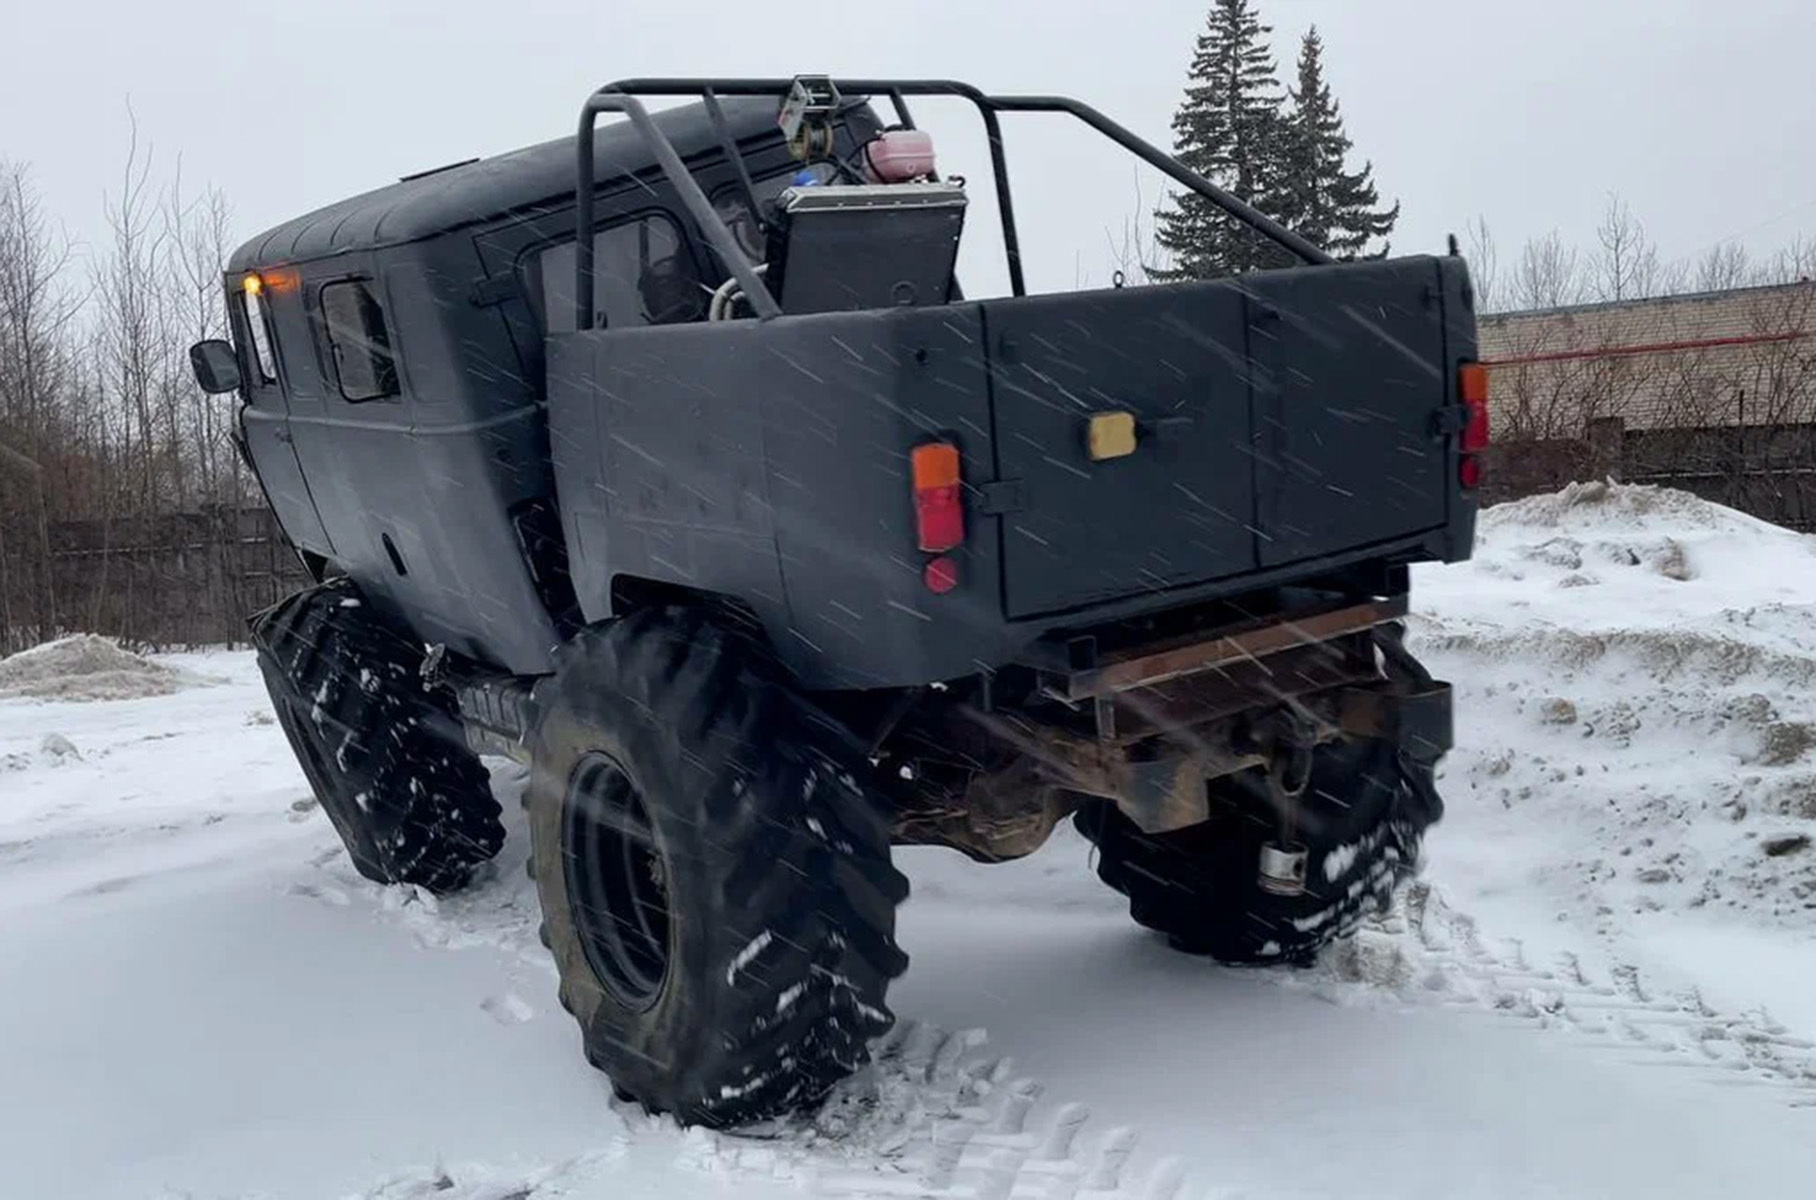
(732, 208)
(358, 341)
(643, 274)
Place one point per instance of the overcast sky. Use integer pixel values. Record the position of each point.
(1702, 115)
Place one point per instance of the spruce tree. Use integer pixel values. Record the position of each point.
(1230, 128)
(1334, 208)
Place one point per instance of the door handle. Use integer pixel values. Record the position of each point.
(283, 433)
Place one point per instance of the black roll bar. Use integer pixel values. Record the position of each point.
(621, 97)
(1173, 169)
(729, 144)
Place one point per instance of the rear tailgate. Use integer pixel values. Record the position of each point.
(1283, 417)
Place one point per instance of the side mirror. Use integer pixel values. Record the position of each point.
(216, 367)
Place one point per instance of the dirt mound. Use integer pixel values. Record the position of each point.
(1635, 672)
(86, 667)
(1672, 658)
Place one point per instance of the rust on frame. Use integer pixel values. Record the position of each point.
(1158, 666)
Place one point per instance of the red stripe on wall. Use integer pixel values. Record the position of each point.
(1650, 348)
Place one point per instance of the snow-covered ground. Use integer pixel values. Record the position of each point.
(1606, 985)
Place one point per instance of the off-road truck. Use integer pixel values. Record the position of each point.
(671, 461)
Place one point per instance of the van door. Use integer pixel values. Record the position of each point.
(1179, 509)
(1350, 380)
(265, 419)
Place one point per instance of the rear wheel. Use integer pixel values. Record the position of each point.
(1362, 818)
(715, 879)
(387, 761)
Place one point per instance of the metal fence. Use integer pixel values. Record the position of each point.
(1766, 471)
(166, 581)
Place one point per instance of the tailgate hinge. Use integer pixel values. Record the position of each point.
(1003, 497)
(494, 289)
(1448, 421)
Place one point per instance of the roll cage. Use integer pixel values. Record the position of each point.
(626, 97)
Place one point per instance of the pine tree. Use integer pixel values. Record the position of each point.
(1230, 128)
(1334, 208)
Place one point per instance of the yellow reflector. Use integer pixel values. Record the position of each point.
(253, 285)
(1112, 435)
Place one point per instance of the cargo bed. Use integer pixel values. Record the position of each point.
(1290, 415)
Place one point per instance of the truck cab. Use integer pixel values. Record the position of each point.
(390, 351)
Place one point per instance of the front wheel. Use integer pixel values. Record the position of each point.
(387, 761)
(715, 879)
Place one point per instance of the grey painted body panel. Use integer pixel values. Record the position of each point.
(770, 461)
(1179, 510)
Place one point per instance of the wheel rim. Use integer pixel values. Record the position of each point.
(617, 881)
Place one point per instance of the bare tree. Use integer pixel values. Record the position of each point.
(129, 317)
(1627, 267)
(1484, 265)
(1674, 278)
(199, 233)
(1135, 255)
(1724, 266)
(1796, 263)
(36, 313)
(123, 498)
(1548, 275)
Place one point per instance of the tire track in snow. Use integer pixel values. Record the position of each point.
(1429, 952)
(934, 1116)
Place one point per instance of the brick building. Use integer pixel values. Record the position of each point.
(1713, 392)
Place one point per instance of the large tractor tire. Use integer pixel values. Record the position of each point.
(1363, 816)
(387, 760)
(715, 879)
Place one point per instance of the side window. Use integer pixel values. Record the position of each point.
(643, 274)
(358, 341)
(730, 204)
(256, 321)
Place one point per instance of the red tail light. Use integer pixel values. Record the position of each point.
(940, 575)
(1472, 387)
(939, 502)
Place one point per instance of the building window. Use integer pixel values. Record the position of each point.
(643, 274)
(358, 341)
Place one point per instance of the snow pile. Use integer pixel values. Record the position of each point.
(1636, 679)
(86, 667)
(54, 750)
